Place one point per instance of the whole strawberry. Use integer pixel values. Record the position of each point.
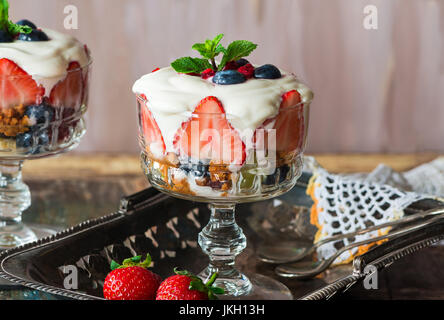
(186, 286)
(131, 280)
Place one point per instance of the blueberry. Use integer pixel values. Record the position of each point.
(241, 62)
(35, 35)
(270, 179)
(39, 114)
(185, 167)
(199, 170)
(5, 36)
(28, 23)
(24, 140)
(267, 71)
(43, 138)
(196, 169)
(228, 77)
(284, 170)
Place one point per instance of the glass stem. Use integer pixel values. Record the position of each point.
(222, 240)
(15, 196)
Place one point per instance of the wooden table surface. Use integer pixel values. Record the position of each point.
(72, 188)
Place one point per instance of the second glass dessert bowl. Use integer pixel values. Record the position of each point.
(266, 168)
(41, 125)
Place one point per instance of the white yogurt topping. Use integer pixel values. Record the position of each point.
(172, 97)
(46, 61)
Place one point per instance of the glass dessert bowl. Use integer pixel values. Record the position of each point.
(224, 137)
(44, 84)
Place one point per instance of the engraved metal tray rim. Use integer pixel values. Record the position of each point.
(124, 210)
(129, 205)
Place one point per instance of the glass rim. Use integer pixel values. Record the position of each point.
(33, 75)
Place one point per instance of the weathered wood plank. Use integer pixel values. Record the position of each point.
(376, 90)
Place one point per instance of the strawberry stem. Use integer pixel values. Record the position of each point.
(212, 279)
(213, 63)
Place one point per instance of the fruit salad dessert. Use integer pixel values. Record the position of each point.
(225, 129)
(43, 88)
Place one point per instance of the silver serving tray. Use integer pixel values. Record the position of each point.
(167, 228)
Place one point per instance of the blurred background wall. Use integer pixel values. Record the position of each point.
(375, 90)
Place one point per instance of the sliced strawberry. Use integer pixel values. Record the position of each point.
(289, 124)
(17, 87)
(68, 92)
(150, 129)
(209, 136)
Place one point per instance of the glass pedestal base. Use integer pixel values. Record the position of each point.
(13, 234)
(252, 286)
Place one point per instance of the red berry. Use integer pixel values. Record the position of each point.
(177, 288)
(131, 280)
(247, 70)
(131, 283)
(186, 286)
(232, 65)
(207, 73)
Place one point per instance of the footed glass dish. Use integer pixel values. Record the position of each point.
(42, 124)
(242, 172)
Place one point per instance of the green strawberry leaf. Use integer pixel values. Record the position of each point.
(133, 262)
(217, 290)
(236, 50)
(114, 265)
(198, 285)
(190, 65)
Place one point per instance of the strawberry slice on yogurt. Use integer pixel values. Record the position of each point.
(69, 92)
(17, 87)
(209, 136)
(152, 137)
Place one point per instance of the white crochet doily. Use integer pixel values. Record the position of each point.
(347, 203)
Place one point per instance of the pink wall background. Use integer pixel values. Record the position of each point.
(375, 90)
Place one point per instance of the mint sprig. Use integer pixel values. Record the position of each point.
(190, 65)
(7, 25)
(236, 50)
(209, 50)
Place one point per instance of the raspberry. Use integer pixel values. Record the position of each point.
(232, 65)
(247, 70)
(207, 73)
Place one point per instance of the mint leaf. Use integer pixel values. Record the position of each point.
(190, 65)
(208, 49)
(220, 49)
(15, 29)
(4, 14)
(236, 50)
(6, 24)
